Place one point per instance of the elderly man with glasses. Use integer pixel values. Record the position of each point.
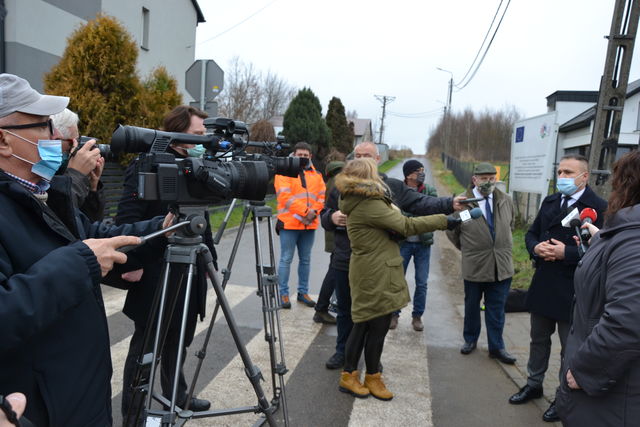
(55, 342)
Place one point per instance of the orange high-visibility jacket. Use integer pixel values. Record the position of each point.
(294, 201)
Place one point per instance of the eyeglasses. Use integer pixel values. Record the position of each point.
(48, 123)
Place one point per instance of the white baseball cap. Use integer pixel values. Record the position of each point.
(17, 95)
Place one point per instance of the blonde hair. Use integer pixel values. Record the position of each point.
(366, 169)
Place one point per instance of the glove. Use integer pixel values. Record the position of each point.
(453, 222)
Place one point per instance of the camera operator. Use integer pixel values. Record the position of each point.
(55, 341)
(184, 119)
(334, 220)
(84, 166)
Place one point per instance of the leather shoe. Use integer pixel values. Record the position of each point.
(502, 356)
(468, 347)
(324, 317)
(335, 362)
(525, 394)
(198, 405)
(551, 415)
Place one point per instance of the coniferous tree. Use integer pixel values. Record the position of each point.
(98, 72)
(303, 122)
(342, 135)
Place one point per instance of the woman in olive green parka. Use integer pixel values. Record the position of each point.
(376, 275)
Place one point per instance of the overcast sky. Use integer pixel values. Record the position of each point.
(356, 49)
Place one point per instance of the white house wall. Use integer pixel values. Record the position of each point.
(568, 110)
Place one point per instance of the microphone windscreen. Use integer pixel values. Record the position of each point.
(588, 213)
(475, 213)
(575, 222)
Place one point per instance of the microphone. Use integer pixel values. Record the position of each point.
(587, 216)
(466, 215)
(575, 223)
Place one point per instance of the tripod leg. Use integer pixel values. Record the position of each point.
(201, 354)
(271, 316)
(252, 371)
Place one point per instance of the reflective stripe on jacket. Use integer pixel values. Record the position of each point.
(294, 201)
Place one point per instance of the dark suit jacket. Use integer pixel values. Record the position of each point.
(551, 291)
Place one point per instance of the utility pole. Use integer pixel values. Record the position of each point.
(613, 92)
(447, 110)
(385, 100)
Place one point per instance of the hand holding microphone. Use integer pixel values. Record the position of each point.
(466, 215)
(587, 217)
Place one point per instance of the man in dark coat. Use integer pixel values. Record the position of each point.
(333, 220)
(55, 341)
(137, 306)
(555, 254)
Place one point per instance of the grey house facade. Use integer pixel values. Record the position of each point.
(34, 33)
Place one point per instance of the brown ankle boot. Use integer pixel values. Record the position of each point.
(350, 383)
(376, 387)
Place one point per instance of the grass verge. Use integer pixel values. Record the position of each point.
(216, 218)
(388, 165)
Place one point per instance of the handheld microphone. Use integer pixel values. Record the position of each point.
(575, 223)
(587, 216)
(465, 215)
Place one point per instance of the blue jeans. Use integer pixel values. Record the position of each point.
(421, 255)
(495, 296)
(289, 239)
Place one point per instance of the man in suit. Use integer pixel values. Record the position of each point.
(487, 265)
(555, 255)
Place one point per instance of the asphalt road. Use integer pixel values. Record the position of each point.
(433, 383)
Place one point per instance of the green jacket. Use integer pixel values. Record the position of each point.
(425, 238)
(376, 275)
(482, 257)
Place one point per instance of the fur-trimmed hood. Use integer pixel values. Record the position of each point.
(353, 190)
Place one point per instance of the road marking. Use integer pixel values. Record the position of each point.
(231, 387)
(234, 293)
(406, 375)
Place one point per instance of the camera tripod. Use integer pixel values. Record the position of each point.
(268, 291)
(185, 249)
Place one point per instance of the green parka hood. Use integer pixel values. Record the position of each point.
(362, 189)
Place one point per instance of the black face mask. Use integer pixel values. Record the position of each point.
(420, 178)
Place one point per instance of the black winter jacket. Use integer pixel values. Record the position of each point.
(551, 290)
(403, 196)
(53, 330)
(603, 346)
(140, 295)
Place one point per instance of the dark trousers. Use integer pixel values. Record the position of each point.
(368, 336)
(326, 290)
(343, 303)
(542, 328)
(495, 297)
(168, 358)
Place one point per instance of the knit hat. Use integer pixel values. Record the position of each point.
(410, 166)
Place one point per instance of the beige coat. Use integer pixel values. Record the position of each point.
(481, 255)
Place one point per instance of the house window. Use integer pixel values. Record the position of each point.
(145, 29)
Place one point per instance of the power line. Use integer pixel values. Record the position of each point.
(236, 25)
(415, 115)
(483, 42)
(459, 88)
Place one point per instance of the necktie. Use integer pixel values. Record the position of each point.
(565, 203)
(490, 217)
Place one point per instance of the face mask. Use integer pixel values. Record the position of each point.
(486, 188)
(420, 178)
(50, 152)
(197, 151)
(567, 186)
(65, 163)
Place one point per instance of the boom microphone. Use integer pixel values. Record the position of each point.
(587, 216)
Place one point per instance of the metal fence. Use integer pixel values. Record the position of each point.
(463, 171)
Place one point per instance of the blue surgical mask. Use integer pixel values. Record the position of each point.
(197, 151)
(50, 152)
(567, 186)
